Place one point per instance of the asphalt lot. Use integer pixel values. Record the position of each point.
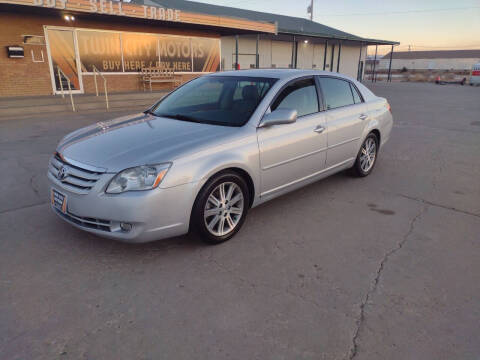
(385, 267)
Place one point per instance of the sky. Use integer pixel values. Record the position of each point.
(420, 24)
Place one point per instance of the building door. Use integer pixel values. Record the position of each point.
(63, 54)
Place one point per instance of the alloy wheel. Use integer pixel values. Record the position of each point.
(223, 209)
(368, 154)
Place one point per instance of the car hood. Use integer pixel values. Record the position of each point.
(140, 139)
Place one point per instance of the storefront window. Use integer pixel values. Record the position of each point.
(175, 53)
(100, 49)
(139, 51)
(206, 55)
(117, 52)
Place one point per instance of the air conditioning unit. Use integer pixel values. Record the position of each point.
(15, 52)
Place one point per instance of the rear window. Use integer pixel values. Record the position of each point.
(337, 92)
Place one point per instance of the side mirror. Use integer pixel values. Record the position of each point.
(278, 117)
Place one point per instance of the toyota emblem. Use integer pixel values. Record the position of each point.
(62, 173)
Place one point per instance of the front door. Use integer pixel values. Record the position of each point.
(290, 153)
(63, 56)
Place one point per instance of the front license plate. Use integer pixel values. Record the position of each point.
(59, 201)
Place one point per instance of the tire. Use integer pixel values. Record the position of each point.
(215, 218)
(363, 164)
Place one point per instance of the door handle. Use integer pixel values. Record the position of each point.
(363, 117)
(319, 129)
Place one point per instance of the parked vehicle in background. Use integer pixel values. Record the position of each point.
(212, 149)
(475, 75)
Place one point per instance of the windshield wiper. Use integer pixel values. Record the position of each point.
(181, 117)
(149, 111)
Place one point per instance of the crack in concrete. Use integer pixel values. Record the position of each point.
(426, 202)
(373, 287)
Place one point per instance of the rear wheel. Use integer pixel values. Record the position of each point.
(367, 156)
(220, 208)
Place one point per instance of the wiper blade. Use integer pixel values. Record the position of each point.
(149, 111)
(181, 117)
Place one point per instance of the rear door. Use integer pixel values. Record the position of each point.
(289, 153)
(346, 113)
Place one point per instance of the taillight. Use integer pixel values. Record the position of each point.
(389, 107)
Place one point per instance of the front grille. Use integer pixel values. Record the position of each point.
(91, 223)
(77, 179)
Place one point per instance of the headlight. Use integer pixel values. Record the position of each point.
(138, 178)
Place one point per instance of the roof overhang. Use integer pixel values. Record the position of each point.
(147, 12)
(355, 39)
(380, 42)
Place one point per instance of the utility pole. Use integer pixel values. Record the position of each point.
(310, 10)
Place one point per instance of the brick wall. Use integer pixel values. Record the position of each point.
(24, 77)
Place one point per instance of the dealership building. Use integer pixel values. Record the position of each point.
(46, 42)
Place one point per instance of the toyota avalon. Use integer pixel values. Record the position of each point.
(215, 147)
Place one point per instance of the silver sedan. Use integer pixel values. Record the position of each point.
(209, 151)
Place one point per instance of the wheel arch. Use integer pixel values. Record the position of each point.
(239, 171)
(377, 134)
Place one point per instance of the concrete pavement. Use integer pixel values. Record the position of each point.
(384, 267)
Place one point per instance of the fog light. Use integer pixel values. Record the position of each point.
(126, 227)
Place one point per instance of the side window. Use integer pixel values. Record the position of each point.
(337, 92)
(356, 95)
(300, 95)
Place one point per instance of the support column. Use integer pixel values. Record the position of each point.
(359, 74)
(236, 52)
(339, 52)
(257, 56)
(389, 78)
(325, 55)
(374, 64)
(294, 52)
(331, 58)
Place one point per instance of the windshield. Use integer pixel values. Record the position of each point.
(218, 100)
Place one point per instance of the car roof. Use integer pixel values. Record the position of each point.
(276, 73)
(285, 75)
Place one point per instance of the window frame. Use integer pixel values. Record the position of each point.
(288, 83)
(324, 101)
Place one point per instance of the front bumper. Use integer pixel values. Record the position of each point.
(154, 214)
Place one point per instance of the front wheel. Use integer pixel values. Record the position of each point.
(220, 208)
(367, 156)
